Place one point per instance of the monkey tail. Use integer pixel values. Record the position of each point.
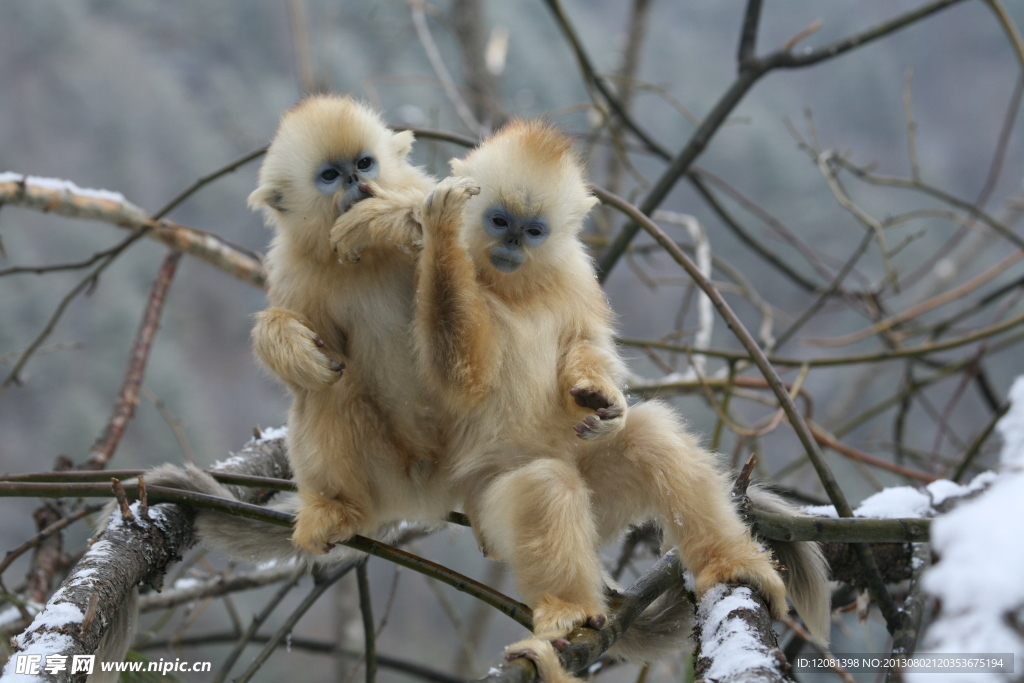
(807, 578)
(117, 638)
(240, 538)
(662, 629)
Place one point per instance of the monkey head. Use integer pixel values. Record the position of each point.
(326, 150)
(532, 202)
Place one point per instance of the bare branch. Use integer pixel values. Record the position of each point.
(128, 398)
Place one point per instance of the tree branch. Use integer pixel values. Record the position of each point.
(750, 72)
(65, 199)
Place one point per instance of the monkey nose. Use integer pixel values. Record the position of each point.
(353, 179)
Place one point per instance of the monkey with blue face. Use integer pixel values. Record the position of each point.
(362, 446)
(515, 333)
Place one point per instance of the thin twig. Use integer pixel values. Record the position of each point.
(257, 621)
(314, 646)
(128, 398)
(975, 446)
(369, 633)
(42, 535)
(592, 79)
(323, 582)
(419, 21)
(920, 350)
(207, 179)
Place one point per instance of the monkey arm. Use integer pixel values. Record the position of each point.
(291, 351)
(387, 219)
(453, 323)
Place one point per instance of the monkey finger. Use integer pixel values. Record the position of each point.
(590, 398)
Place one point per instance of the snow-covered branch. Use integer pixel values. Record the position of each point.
(52, 195)
(128, 553)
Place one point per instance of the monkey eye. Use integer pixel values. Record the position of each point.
(329, 175)
(499, 221)
(534, 231)
(364, 163)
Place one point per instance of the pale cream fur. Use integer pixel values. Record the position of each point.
(505, 351)
(363, 446)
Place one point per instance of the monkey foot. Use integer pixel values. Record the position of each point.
(543, 655)
(554, 618)
(755, 570)
(320, 524)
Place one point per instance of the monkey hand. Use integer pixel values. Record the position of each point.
(442, 209)
(292, 351)
(756, 570)
(608, 404)
(542, 654)
(320, 523)
(350, 233)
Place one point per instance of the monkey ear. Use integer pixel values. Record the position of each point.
(401, 143)
(458, 166)
(265, 195)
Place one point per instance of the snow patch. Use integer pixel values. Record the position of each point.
(272, 433)
(729, 642)
(61, 186)
(187, 582)
(978, 578)
(898, 501)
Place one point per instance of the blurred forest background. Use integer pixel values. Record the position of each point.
(143, 97)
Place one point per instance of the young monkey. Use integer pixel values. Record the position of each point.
(362, 449)
(515, 333)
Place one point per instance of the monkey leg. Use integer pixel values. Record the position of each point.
(537, 518)
(292, 352)
(328, 437)
(654, 467)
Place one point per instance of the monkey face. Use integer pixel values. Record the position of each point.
(345, 179)
(515, 235)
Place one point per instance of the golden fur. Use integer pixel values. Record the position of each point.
(364, 446)
(508, 351)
